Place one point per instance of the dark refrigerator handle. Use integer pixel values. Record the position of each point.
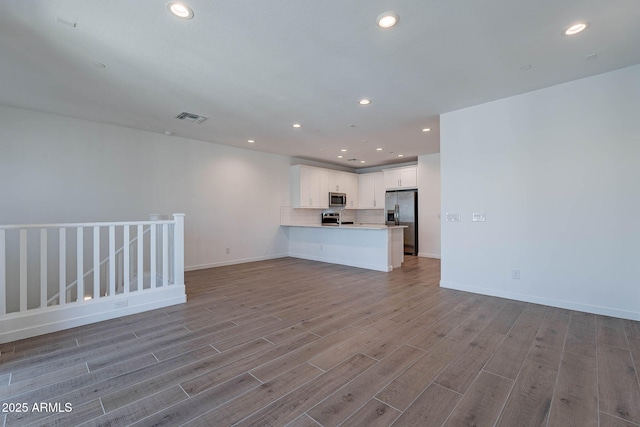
(396, 214)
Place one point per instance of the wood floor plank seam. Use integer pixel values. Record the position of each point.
(102, 405)
(257, 379)
(553, 394)
(621, 420)
(497, 375)
(504, 404)
(375, 398)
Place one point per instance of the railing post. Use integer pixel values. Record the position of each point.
(178, 248)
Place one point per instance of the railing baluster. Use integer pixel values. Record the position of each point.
(153, 255)
(63, 267)
(23, 269)
(165, 254)
(80, 262)
(96, 262)
(119, 269)
(112, 260)
(3, 277)
(140, 258)
(43, 268)
(125, 245)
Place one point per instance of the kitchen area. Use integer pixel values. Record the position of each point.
(366, 220)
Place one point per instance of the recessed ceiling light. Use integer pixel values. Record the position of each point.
(576, 28)
(400, 155)
(339, 157)
(387, 19)
(364, 101)
(362, 161)
(343, 150)
(378, 149)
(167, 132)
(297, 125)
(251, 141)
(426, 130)
(180, 10)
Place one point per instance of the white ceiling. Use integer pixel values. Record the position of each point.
(255, 67)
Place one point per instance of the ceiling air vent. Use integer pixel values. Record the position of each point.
(190, 117)
(352, 160)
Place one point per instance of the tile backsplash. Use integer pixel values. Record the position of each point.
(370, 216)
(305, 216)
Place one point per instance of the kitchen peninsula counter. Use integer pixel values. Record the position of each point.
(371, 246)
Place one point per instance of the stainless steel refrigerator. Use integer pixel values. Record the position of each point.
(401, 208)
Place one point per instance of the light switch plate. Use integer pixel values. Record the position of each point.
(453, 217)
(478, 217)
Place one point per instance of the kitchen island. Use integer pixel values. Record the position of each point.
(371, 246)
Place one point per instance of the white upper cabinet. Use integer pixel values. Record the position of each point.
(371, 190)
(344, 182)
(309, 187)
(405, 177)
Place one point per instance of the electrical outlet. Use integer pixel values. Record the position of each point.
(121, 304)
(228, 250)
(515, 274)
(453, 217)
(478, 217)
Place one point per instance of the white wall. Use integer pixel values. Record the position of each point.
(429, 205)
(557, 172)
(58, 169)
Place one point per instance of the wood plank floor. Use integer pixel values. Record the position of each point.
(290, 342)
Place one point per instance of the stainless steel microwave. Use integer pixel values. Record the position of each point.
(337, 200)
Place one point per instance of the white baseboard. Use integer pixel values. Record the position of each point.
(426, 255)
(345, 262)
(569, 305)
(233, 262)
(31, 323)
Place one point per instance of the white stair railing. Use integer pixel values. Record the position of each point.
(60, 269)
(103, 271)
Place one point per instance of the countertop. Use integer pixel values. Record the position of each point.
(358, 225)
